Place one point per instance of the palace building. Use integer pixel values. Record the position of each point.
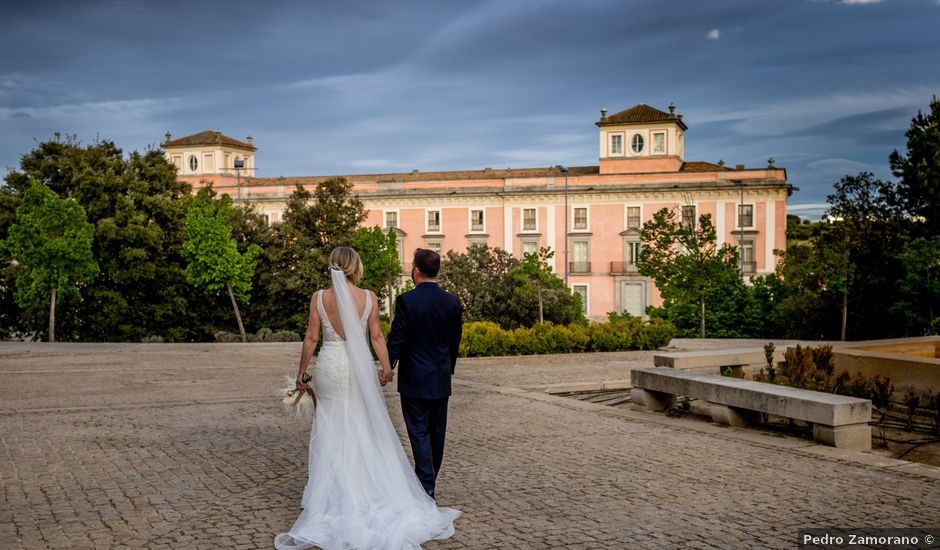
(598, 209)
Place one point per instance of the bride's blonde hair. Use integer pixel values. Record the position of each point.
(347, 260)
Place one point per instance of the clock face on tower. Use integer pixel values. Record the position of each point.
(637, 143)
(193, 163)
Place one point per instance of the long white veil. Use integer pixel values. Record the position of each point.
(362, 491)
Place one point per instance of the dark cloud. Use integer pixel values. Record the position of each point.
(334, 87)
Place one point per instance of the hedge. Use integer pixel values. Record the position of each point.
(485, 339)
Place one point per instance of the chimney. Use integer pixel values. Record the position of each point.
(739, 167)
(771, 162)
(415, 171)
(672, 109)
(167, 136)
(603, 114)
(721, 163)
(218, 136)
(679, 116)
(249, 138)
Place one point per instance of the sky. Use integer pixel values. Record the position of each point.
(827, 88)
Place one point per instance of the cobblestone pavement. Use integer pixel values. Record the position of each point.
(184, 446)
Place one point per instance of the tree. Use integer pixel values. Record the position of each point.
(684, 260)
(535, 274)
(493, 286)
(379, 253)
(51, 240)
(312, 226)
(919, 302)
(918, 192)
(135, 203)
(212, 254)
(867, 233)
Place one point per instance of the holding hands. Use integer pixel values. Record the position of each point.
(386, 375)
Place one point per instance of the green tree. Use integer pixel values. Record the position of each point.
(918, 191)
(51, 240)
(313, 224)
(212, 254)
(493, 286)
(535, 274)
(379, 253)
(685, 262)
(135, 203)
(919, 302)
(867, 234)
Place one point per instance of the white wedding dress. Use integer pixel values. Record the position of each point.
(362, 492)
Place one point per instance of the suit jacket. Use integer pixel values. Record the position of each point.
(424, 340)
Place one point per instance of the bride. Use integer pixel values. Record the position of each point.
(361, 492)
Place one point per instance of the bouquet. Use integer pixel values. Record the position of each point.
(298, 403)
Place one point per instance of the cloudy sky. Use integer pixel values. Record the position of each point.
(354, 86)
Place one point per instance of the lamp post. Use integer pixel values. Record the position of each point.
(239, 164)
(740, 184)
(564, 170)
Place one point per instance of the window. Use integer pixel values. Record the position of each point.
(631, 253)
(391, 220)
(434, 245)
(477, 241)
(633, 217)
(659, 143)
(530, 246)
(616, 145)
(528, 219)
(582, 291)
(434, 220)
(193, 163)
(581, 259)
(745, 215)
(227, 161)
(580, 218)
(746, 249)
(476, 220)
(637, 143)
(207, 162)
(688, 216)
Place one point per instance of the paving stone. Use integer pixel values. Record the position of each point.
(184, 446)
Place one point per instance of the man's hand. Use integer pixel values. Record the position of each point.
(386, 375)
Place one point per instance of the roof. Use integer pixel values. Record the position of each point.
(703, 167)
(487, 173)
(641, 114)
(208, 137)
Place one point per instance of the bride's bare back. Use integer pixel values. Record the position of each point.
(332, 312)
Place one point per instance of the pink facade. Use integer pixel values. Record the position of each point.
(523, 209)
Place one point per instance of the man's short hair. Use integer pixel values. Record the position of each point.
(428, 262)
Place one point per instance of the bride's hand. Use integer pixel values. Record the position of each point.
(386, 375)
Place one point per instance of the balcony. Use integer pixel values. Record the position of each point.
(579, 267)
(619, 268)
(750, 268)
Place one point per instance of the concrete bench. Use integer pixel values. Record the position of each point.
(742, 361)
(838, 420)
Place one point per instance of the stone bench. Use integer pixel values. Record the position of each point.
(741, 361)
(838, 420)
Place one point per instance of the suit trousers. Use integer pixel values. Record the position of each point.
(426, 420)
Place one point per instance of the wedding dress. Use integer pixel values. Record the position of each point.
(362, 492)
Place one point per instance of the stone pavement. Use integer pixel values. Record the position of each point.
(184, 446)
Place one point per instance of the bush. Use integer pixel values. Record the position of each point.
(224, 337)
(486, 339)
(263, 334)
(655, 334)
(285, 336)
(154, 339)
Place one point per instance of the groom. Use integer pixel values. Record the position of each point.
(423, 343)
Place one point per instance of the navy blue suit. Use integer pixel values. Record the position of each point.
(423, 344)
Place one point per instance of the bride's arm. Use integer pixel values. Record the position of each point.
(310, 341)
(378, 340)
